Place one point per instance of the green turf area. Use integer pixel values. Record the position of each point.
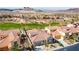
(6, 26)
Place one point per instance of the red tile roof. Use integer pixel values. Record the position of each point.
(40, 37)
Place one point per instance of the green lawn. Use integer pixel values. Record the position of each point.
(6, 26)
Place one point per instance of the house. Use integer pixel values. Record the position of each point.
(5, 42)
(6, 39)
(38, 37)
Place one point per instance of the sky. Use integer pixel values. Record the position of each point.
(53, 3)
(12, 3)
(57, 4)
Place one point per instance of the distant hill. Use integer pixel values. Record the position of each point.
(69, 10)
(65, 10)
(25, 9)
(28, 9)
(6, 10)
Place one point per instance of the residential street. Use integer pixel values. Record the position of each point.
(70, 48)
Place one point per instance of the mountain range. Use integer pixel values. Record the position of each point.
(40, 10)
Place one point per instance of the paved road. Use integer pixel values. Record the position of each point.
(70, 48)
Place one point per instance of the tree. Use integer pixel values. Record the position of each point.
(72, 38)
(15, 46)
